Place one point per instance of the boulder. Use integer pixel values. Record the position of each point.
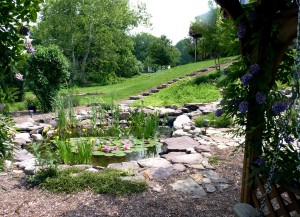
(37, 137)
(188, 186)
(154, 162)
(179, 144)
(180, 133)
(181, 121)
(183, 158)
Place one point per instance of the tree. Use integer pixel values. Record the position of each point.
(14, 15)
(142, 41)
(47, 71)
(184, 46)
(206, 31)
(162, 53)
(265, 30)
(92, 35)
(195, 31)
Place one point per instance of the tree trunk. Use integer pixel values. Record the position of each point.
(195, 60)
(88, 49)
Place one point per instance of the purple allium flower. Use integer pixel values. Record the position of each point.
(95, 149)
(115, 148)
(246, 79)
(254, 69)
(260, 97)
(19, 76)
(289, 139)
(106, 148)
(241, 33)
(218, 112)
(279, 107)
(108, 142)
(243, 107)
(24, 31)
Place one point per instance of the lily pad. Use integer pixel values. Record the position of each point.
(140, 149)
(98, 153)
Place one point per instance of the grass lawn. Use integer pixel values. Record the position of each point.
(132, 86)
(182, 92)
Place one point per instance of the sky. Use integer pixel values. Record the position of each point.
(172, 17)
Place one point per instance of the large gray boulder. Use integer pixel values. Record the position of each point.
(181, 121)
(180, 144)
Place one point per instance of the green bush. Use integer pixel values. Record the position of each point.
(6, 132)
(1, 164)
(208, 78)
(214, 121)
(47, 69)
(74, 180)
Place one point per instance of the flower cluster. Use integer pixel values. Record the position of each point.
(246, 79)
(19, 76)
(29, 47)
(126, 144)
(241, 33)
(218, 112)
(260, 97)
(243, 107)
(106, 148)
(279, 107)
(254, 69)
(289, 139)
(24, 31)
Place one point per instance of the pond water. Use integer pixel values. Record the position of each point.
(133, 156)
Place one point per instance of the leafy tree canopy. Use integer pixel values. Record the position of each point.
(92, 35)
(162, 53)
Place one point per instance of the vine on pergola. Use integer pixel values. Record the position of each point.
(266, 29)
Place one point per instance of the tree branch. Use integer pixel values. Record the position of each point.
(232, 7)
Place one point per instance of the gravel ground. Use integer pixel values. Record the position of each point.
(16, 200)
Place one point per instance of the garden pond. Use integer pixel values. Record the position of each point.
(106, 151)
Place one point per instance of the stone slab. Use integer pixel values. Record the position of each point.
(131, 166)
(162, 173)
(179, 144)
(22, 154)
(154, 162)
(188, 186)
(214, 176)
(187, 159)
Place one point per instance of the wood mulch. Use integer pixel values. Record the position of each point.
(17, 200)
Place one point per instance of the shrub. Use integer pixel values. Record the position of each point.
(6, 132)
(208, 78)
(1, 164)
(32, 101)
(214, 121)
(74, 180)
(47, 69)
